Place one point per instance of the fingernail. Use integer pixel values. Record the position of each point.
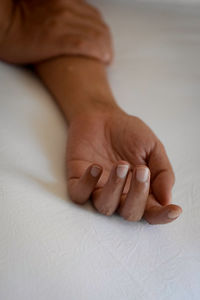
(95, 171)
(142, 174)
(173, 214)
(122, 171)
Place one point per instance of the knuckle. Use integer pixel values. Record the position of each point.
(78, 42)
(116, 180)
(96, 34)
(75, 198)
(72, 43)
(77, 201)
(72, 192)
(131, 217)
(105, 211)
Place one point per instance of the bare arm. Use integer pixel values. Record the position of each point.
(111, 156)
(78, 84)
(34, 30)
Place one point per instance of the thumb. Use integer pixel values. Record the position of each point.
(162, 174)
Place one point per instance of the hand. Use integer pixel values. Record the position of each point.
(36, 30)
(112, 157)
(117, 161)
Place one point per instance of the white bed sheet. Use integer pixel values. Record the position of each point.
(52, 249)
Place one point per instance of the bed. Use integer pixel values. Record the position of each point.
(52, 249)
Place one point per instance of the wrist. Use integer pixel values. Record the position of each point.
(93, 110)
(79, 85)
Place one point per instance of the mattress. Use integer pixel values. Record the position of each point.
(51, 248)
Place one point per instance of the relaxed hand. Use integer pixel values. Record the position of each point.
(117, 161)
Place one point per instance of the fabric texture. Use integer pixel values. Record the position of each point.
(51, 248)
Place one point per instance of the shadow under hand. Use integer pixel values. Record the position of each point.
(51, 136)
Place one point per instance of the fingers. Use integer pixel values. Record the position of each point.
(86, 26)
(85, 9)
(57, 28)
(107, 200)
(158, 214)
(137, 203)
(134, 205)
(162, 175)
(81, 189)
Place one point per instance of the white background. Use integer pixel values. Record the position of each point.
(52, 249)
(160, 1)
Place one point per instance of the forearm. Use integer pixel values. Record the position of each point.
(78, 84)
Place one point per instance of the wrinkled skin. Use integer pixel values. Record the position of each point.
(106, 138)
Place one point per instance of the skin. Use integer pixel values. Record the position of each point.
(35, 30)
(101, 134)
(102, 138)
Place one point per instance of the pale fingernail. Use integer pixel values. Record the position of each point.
(95, 171)
(122, 171)
(142, 174)
(173, 214)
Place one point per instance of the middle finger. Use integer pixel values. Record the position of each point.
(107, 199)
(132, 209)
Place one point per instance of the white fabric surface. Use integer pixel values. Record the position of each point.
(160, 1)
(53, 249)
